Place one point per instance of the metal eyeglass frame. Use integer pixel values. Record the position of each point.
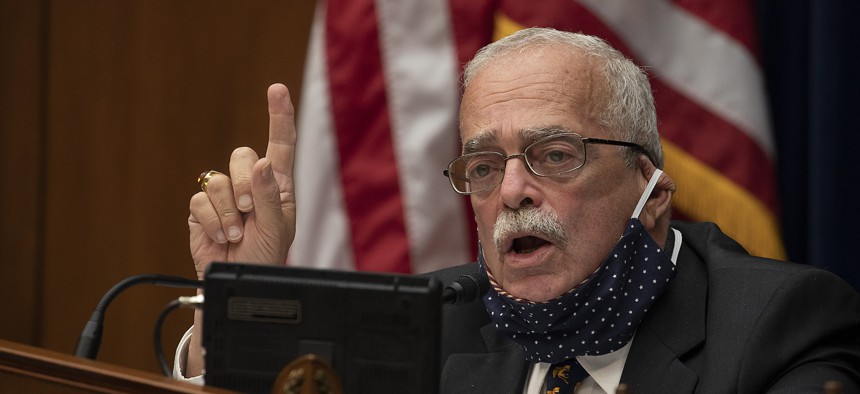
(585, 142)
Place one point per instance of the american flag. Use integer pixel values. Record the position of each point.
(378, 120)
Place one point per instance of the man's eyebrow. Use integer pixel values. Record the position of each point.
(483, 141)
(480, 142)
(527, 136)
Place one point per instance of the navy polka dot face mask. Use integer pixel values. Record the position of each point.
(600, 315)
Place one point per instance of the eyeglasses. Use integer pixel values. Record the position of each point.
(554, 155)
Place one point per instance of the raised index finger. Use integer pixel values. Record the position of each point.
(281, 149)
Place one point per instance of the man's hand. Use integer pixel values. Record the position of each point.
(250, 215)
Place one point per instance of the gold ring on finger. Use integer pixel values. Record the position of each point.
(203, 179)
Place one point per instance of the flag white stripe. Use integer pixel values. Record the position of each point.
(421, 74)
(693, 57)
(323, 239)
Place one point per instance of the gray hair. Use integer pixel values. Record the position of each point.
(629, 112)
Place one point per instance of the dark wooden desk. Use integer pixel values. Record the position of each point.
(27, 369)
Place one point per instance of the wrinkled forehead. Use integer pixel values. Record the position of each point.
(534, 90)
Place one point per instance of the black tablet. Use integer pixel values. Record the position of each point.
(379, 332)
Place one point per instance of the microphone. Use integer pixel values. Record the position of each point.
(466, 289)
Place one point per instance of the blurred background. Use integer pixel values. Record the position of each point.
(110, 109)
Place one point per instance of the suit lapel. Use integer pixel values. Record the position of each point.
(501, 370)
(674, 326)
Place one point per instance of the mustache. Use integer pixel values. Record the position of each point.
(529, 220)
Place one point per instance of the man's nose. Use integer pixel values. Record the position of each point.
(519, 185)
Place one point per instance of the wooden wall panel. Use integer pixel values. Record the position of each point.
(143, 95)
(22, 49)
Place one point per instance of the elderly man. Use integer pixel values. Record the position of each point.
(592, 285)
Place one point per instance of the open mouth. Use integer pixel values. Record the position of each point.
(528, 244)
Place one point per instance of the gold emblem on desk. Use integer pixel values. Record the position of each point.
(307, 374)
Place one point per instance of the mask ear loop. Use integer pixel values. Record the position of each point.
(647, 193)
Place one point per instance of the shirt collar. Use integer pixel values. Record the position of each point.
(606, 369)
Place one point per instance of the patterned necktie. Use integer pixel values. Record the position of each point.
(564, 376)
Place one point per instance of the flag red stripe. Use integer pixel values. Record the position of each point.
(559, 14)
(732, 17)
(686, 123)
(360, 110)
(473, 23)
(716, 143)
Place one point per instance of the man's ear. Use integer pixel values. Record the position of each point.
(657, 211)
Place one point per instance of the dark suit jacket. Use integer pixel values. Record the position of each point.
(728, 323)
